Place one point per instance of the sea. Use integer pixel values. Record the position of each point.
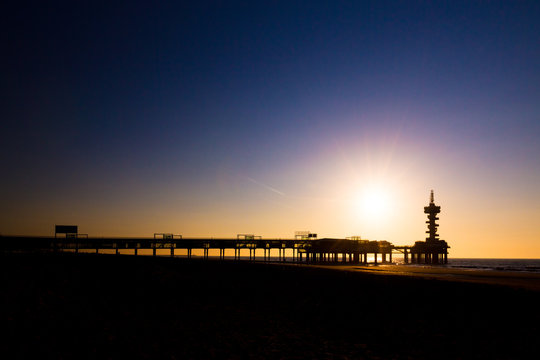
(525, 265)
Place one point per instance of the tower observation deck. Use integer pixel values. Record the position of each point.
(432, 210)
(433, 250)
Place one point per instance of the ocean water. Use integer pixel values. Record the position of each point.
(526, 265)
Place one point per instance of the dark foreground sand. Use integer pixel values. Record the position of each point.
(88, 306)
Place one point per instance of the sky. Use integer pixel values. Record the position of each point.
(224, 117)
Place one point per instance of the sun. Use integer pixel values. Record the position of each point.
(373, 203)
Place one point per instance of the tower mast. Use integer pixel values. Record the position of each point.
(432, 210)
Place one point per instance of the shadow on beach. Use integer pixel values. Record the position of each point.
(117, 306)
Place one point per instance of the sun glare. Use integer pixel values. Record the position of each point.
(373, 203)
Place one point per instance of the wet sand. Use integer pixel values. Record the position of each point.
(102, 306)
(514, 279)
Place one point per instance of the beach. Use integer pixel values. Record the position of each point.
(514, 279)
(106, 306)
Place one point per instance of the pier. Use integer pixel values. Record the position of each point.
(304, 250)
(305, 247)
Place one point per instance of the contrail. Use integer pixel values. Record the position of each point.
(266, 186)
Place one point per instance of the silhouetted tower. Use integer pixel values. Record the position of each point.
(432, 210)
(433, 250)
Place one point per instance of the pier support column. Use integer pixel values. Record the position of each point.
(375, 258)
(446, 258)
(390, 256)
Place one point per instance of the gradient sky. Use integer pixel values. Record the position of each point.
(218, 118)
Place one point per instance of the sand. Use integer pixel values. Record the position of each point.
(101, 306)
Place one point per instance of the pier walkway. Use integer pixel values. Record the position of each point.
(307, 250)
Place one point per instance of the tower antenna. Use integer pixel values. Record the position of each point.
(432, 197)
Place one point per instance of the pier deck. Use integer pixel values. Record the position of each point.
(303, 250)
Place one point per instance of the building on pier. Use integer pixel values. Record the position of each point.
(433, 250)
